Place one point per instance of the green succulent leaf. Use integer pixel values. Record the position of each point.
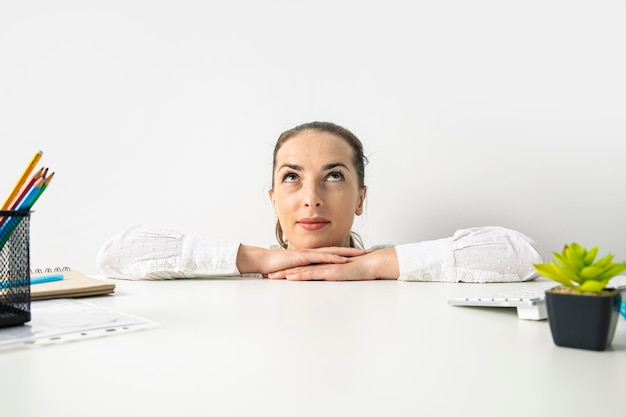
(593, 286)
(568, 268)
(565, 261)
(551, 271)
(590, 256)
(574, 247)
(613, 270)
(605, 262)
(554, 272)
(591, 272)
(575, 256)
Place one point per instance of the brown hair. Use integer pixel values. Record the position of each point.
(358, 159)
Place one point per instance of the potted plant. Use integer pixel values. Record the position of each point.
(583, 311)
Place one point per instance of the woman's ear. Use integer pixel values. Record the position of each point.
(361, 202)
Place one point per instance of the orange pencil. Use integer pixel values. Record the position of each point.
(45, 184)
(40, 186)
(39, 174)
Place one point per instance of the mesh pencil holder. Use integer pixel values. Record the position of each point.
(14, 268)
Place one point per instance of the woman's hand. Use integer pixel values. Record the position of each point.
(381, 264)
(252, 259)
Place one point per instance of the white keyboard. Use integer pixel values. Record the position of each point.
(530, 302)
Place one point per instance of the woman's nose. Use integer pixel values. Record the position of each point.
(312, 197)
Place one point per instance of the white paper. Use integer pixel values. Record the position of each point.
(65, 319)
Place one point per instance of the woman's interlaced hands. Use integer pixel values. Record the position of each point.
(332, 264)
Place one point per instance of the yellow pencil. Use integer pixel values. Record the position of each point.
(31, 165)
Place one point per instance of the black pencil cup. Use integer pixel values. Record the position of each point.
(14, 268)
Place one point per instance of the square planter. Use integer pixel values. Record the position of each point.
(583, 321)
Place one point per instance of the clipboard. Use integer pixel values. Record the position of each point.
(74, 284)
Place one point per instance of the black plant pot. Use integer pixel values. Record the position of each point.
(583, 321)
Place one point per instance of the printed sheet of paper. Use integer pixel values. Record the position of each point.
(66, 319)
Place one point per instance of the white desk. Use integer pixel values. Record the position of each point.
(277, 348)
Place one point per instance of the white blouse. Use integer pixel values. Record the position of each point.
(479, 254)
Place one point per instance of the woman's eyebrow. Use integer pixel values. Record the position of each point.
(290, 166)
(324, 168)
(335, 165)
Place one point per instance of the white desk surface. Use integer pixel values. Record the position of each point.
(250, 347)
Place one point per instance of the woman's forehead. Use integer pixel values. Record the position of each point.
(313, 146)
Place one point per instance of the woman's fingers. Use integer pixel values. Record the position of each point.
(278, 261)
(324, 272)
(341, 251)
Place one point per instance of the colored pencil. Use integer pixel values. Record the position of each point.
(39, 174)
(33, 281)
(11, 222)
(29, 168)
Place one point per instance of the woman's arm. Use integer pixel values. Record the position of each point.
(142, 252)
(147, 252)
(478, 254)
(481, 254)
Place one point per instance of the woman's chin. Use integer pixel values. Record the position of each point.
(316, 244)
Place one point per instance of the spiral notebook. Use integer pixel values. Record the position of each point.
(74, 284)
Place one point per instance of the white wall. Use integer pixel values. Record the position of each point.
(165, 112)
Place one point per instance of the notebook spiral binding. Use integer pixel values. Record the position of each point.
(49, 270)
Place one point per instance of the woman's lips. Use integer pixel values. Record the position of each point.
(313, 223)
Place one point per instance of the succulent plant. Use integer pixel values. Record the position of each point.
(577, 268)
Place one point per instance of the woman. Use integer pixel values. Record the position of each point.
(318, 186)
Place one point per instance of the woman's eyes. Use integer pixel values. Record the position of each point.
(331, 177)
(335, 176)
(290, 177)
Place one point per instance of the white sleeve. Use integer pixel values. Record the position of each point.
(142, 252)
(480, 254)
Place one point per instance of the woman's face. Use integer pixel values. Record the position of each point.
(316, 190)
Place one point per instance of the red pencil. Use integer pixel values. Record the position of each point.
(39, 174)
